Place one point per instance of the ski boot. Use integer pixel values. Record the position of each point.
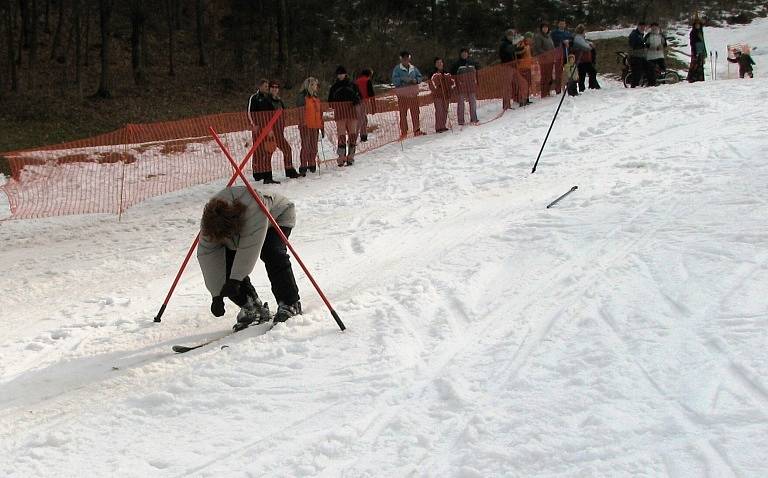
(252, 312)
(286, 311)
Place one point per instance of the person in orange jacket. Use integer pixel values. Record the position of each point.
(310, 124)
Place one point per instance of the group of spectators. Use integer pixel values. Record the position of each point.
(553, 52)
(646, 54)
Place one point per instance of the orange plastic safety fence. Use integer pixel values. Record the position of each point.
(114, 171)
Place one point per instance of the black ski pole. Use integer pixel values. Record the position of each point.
(562, 98)
(561, 197)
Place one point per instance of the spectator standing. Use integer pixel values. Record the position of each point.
(637, 56)
(562, 40)
(508, 52)
(544, 51)
(441, 85)
(583, 50)
(344, 98)
(310, 125)
(657, 47)
(406, 78)
(524, 65)
(367, 101)
(698, 52)
(259, 114)
(279, 131)
(465, 73)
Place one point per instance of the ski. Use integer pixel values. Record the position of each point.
(264, 328)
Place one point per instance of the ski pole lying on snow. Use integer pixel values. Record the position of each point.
(561, 197)
(256, 143)
(276, 228)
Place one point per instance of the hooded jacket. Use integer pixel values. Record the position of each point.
(247, 245)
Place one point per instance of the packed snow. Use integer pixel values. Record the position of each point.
(620, 332)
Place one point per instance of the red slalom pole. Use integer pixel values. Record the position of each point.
(238, 170)
(279, 231)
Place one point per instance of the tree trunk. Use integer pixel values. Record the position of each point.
(170, 13)
(77, 19)
(47, 24)
(57, 33)
(32, 57)
(25, 24)
(138, 19)
(10, 21)
(105, 13)
(282, 39)
(202, 60)
(87, 47)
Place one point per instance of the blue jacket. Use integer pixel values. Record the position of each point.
(559, 35)
(402, 76)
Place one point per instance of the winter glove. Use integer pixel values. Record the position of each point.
(230, 289)
(217, 306)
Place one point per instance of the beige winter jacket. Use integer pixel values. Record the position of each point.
(247, 245)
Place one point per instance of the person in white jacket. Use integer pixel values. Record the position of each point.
(657, 46)
(234, 234)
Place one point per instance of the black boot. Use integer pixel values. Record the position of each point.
(258, 176)
(291, 173)
(342, 152)
(302, 171)
(286, 311)
(313, 169)
(351, 155)
(268, 178)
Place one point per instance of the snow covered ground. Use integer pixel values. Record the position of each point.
(621, 332)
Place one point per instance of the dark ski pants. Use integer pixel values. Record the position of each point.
(441, 113)
(308, 153)
(587, 70)
(277, 262)
(639, 67)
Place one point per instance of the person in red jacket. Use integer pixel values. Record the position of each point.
(367, 101)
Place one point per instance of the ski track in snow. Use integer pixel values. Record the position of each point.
(619, 333)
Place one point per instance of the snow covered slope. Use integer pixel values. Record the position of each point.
(621, 332)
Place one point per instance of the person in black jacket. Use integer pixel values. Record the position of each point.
(344, 98)
(260, 111)
(465, 71)
(637, 56)
(279, 136)
(509, 52)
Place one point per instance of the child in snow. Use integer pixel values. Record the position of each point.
(744, 59)
(234, 233)
(572, 76)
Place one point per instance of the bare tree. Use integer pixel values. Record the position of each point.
(10, 22)
(170, 11)
(282, 39)
(138, 21)
(87, 40)
(32, 57)
(105, 14)
(57, 33)
(202, 59)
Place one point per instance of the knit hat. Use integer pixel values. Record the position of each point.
(528, 35)
(340, 70)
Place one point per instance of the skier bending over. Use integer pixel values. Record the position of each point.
(234, 233)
